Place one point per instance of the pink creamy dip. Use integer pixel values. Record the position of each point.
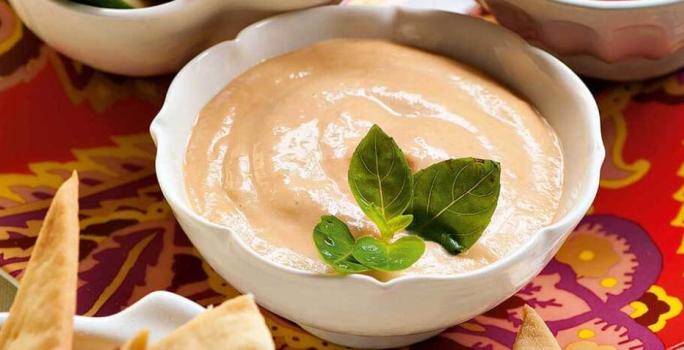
(269, 154)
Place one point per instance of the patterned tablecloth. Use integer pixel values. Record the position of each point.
(617, 283)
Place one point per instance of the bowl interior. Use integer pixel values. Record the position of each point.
(550, 86)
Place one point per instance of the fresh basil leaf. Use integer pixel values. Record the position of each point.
(380, 179)
(384, 256)
(335, 244)
(454, 201)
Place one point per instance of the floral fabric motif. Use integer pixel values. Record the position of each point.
(584, 294)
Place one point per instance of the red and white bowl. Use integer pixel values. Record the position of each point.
(609, 39)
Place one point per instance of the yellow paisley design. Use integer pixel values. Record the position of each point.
(678, 220)
(296, 338)
(101, 91)
(639, 308)
(52, 174)
(120, 276)
(612, 105)
(145, 208)
(8, 17)
(31, 230)
(671, 84)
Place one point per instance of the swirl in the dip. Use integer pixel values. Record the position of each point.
(269, 154)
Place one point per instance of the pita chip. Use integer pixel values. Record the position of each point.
(41, 317)
(138, 342)
(534, 334)
(235, 324)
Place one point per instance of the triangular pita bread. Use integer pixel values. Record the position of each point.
(534, 334)
(41, 317)
(138, 342)
(235, 324)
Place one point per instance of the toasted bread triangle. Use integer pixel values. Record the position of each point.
(235, 324)
(41, 317)
(138, 342)
(534, 334)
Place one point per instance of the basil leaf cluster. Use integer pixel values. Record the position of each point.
(450, 203)
(382, 184)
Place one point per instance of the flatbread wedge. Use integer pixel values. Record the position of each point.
(138, 342)
(534, 334)
(235, 324)
(41, 317)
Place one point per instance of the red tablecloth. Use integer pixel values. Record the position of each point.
(617, 283)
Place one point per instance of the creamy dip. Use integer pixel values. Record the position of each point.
(269, 154)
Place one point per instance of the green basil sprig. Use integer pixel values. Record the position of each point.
(450, 202)
(454, 201)
(382, 184)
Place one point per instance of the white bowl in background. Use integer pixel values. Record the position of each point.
(159, 312)
(614, 40)
(146, 41)
(358, 310)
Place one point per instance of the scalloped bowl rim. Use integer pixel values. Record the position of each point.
(582, 203)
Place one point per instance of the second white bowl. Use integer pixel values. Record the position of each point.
(358, 310)
(146, 41)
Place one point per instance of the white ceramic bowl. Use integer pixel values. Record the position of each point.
(358, 310)
(615, 40)
(158, 312)
(147, 41)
